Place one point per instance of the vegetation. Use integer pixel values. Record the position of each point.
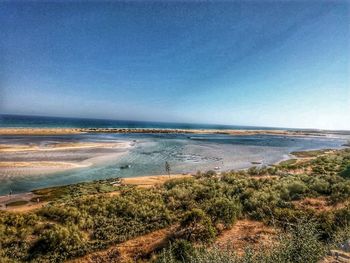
(300, 246)
(17, 203)
(75, 190)
(83, 218)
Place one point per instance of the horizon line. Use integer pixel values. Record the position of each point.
(165, 122)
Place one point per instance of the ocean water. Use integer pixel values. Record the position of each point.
(186, 153)
(53, 122)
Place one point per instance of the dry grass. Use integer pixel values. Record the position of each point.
(247, 233)
(319, 204)
(130, 250)
(337, 257)
(150, 181)
(27, 207)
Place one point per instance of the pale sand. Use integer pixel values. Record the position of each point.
(21, 168)
(39, 131)
(14, 168)
(151, 180)
(61, 146)
(59, 131)
(40, 164)
(37, 168)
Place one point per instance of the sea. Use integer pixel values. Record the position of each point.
(63, 122)
(147, 154)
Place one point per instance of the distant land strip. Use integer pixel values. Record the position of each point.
(62, 131)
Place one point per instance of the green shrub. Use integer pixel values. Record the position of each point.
(197, 226)
(62, 242)
(320, 186)
(346, 172)
(300, 246)
(224, 211)
(296, 190)
(182, 250)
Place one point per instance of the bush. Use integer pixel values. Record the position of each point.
(346, 172)
(300, 246)
(182, 250)
(197, 226)
(320, 186)
(224, 211)
(63, 242)
(296, 190)
(340, 192)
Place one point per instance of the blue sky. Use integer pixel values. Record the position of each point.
(273, 63)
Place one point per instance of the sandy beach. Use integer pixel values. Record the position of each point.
(39, 164)
(38, 131)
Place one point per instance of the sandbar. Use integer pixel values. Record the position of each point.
(62, 131)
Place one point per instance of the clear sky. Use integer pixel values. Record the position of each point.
(273, 63)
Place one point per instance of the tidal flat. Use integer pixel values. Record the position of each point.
(34, 161)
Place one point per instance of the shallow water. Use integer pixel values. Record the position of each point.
(185, 153)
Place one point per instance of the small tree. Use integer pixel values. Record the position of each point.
(167, 168)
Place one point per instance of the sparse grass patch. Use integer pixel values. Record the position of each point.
(17, 203)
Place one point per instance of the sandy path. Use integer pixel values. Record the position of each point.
(151, 180)
(130, 250)
(246, 233)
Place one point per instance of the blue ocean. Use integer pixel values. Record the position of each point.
(55, 122)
